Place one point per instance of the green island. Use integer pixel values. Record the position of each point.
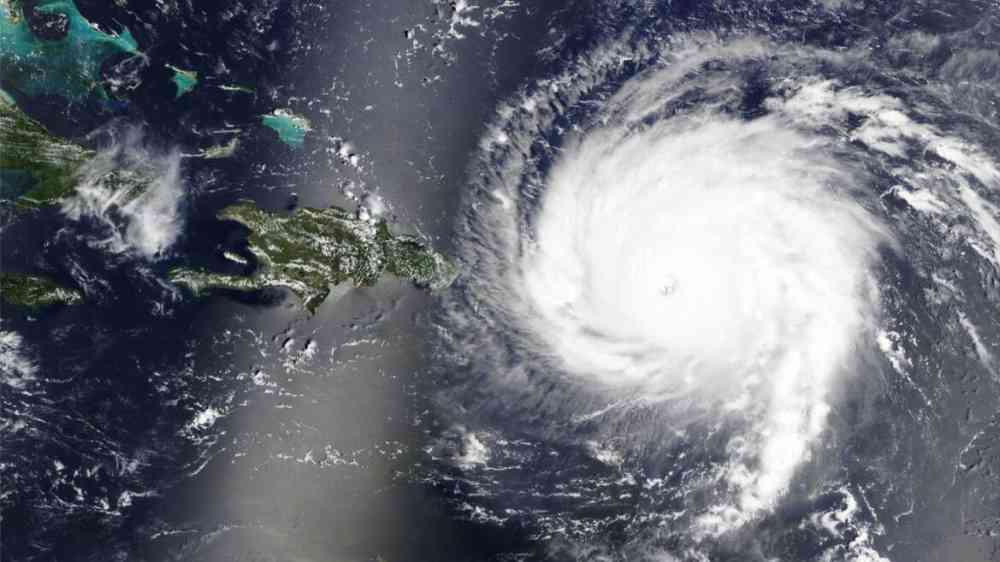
(313, 250)
(185, 80)
(33, 291)
(67, 60)
(221, 150)
(36, 167)
(291, 128)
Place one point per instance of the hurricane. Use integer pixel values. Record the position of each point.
(688, 251)
(500, 281)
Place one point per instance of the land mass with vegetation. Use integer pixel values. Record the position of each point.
(312, 250)
(35, 291)
(36, 167)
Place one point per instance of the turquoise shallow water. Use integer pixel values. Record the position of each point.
(406, 426)
(185, 80)
(291, 129)
(69, 66)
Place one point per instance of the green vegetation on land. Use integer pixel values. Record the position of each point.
(312, 250)
(33, 291)
(38, 168)
(221, 150)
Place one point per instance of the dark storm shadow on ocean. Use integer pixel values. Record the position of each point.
(414, 132)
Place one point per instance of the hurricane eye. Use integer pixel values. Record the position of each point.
(704, 252)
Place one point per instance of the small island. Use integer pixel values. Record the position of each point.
(313, 250)
(184, 80)
(220, 150)
(34, 291)
(291, 128)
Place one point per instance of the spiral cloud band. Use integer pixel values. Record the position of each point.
(705, 255)
(653, 230)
